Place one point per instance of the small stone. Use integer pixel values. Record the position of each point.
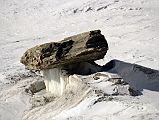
(96, 77)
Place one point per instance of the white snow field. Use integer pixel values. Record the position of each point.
(131, 28)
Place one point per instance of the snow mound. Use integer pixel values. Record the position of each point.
(75, 93)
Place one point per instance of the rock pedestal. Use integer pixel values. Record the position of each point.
(76, 54)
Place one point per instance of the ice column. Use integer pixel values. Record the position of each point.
(55, 80)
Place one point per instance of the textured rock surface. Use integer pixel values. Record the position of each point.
(83, 47)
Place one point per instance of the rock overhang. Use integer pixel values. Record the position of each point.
(87, 46)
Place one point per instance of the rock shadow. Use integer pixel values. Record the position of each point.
(137, 76)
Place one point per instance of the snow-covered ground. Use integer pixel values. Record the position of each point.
(131, 28)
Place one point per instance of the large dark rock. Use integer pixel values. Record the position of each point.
(88, 46)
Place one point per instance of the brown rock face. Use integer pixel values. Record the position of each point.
(88, 46)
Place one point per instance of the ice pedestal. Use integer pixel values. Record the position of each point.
(55, 80)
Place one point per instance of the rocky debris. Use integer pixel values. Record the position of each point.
(100, 93)
(109, 97)
(87, 46)
(98, 75)
(118, 81)
(134, 92)
(103, 98)
(14, 78)
(123, 88)
(40, 100)
(110, 84)
(35, 87)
